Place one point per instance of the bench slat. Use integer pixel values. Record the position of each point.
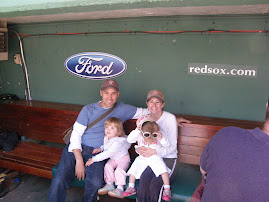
(26, 161)
(31, 169)
(35, 152)
(197, 130)
(189, 159)
(191, 150)
(192, 141)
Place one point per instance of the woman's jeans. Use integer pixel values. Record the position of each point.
(150, 187)
(66, 174)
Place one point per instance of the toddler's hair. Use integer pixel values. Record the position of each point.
(117, 123)
(152, 125)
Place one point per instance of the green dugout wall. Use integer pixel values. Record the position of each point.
(155, 61)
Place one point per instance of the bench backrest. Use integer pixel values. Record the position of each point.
(38, 120)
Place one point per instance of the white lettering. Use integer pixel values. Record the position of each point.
(204, 69)
(215, 71)
(197, 70)
(191, 68)
(250, 73)
(240, 72)
(232, 71)
(85, 63)
(222, 71)
(106, 69)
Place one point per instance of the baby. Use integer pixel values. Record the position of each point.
(147, 134)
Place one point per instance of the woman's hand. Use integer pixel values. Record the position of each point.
(180, 120)
(146, 151)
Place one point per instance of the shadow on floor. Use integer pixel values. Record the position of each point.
(35, 189)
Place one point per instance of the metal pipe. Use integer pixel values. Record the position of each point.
(27, 90)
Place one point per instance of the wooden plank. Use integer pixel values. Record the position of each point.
(189, 159)
(26, 168)
(224, 122)
(197, 130)
(193, 141)
(190, 150)
(38, 123)
(129, 125)
(47, 105)
(28, 162)
(34, 153)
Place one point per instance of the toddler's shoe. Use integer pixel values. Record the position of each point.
(129, 192)
(167, 195)
(106, 189)
(117, 193)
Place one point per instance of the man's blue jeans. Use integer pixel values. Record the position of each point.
(66, 173)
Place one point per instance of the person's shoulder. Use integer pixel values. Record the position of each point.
(91, 106)
(168, 115)
(231, 131)
(122, 105)
(119, 140)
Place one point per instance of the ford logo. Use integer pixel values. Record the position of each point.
(95, 65)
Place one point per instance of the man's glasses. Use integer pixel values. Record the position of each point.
(148, 134)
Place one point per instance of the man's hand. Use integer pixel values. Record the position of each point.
(89, 162)
(97, 150)
(80, 170)
(146, 151)
(180, 120)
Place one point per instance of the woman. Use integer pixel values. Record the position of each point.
(150, 186)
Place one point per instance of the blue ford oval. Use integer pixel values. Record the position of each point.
(95, 65)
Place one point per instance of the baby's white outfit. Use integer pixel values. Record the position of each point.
(155, 162)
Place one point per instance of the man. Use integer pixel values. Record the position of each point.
(236, 164)
(83, 142)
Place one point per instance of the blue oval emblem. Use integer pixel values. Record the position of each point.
(95, 65)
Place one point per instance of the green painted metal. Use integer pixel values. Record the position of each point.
(155, 61)
(17, 8)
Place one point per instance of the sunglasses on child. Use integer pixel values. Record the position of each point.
(148, 134)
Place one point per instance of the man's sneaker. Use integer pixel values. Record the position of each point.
(129, 192)
(167, 194)
(106, 189)
(116, 193)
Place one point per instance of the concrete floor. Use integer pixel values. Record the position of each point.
(35, 189)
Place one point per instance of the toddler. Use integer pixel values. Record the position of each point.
(147, 134)
(116, 149)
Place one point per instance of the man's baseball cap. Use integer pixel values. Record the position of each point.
(110, 83)
(157, 94)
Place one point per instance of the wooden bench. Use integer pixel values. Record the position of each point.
(41, 125)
